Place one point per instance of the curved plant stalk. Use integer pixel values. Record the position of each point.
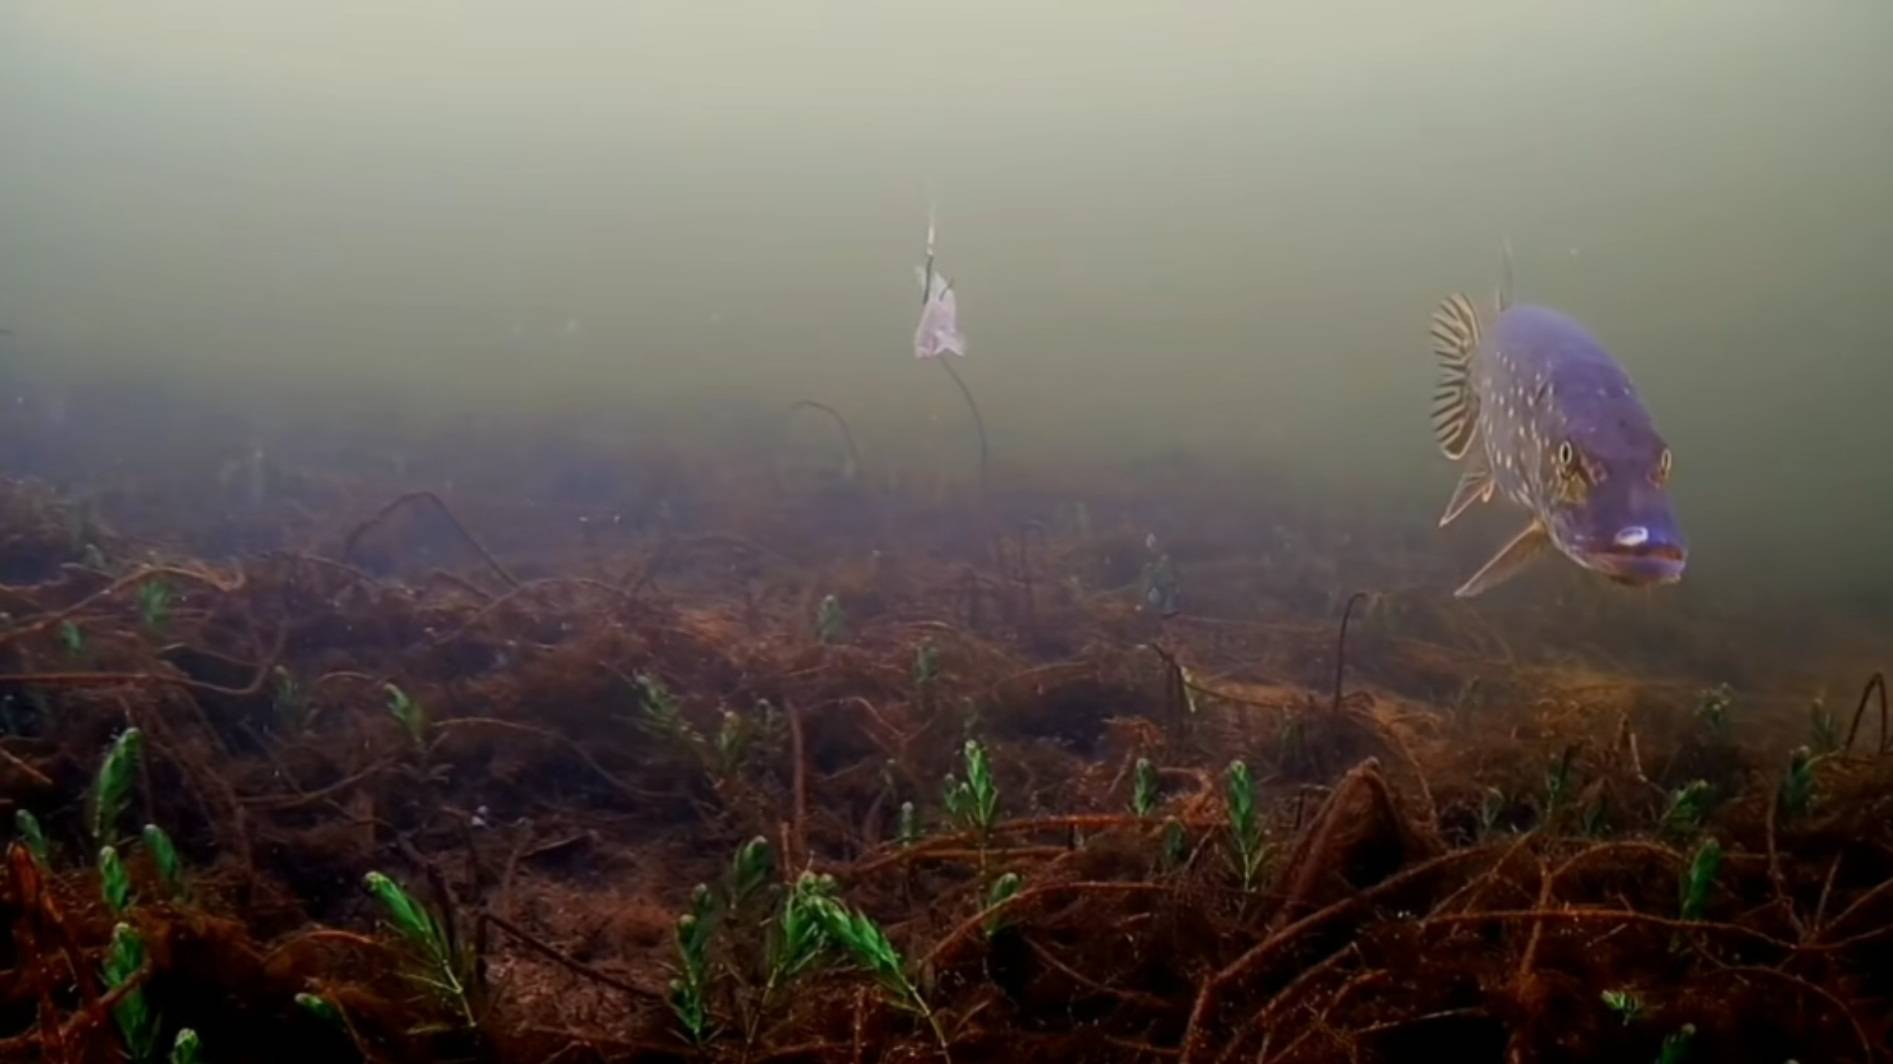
(413, 921)
(979, 422)
(852, 468)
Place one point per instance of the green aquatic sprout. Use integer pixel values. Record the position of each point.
(186, 1049)
(1796, 794)
(165, 857)
(1004, 889)
(831, 624)
(859, 937)
(155, 599)
(111, 789)
(734, 736)
(1144, 788)
(114, 881)
(1558, 783)
(974, 801)
(33, 836)
(1247, 847)
(907, 825)
(72, 637)
(409, 713)
(445, 972)
(1175, 849)
(1687, 807)
(1624, 1004)
(1492, 805)
(1823, 729)
(1594, 822)
(689, 988)
(1676, 1045)
(1700, 879)
(926, 664)
(1161, 583)
(1712, 707)
(749, 870)
(322, 1009)
(94, 558)
(136, 1021)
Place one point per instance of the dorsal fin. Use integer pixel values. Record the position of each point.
(1455, 406)
(1503, 297)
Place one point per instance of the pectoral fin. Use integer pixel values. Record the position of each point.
(1508, 562)
(1475, 485)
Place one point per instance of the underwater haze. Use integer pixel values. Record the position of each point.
(1214, 230)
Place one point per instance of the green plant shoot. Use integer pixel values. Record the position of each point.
(186, 1049)
(111, 790)
(1712, 707)
(322, 1009)
(926, 664)
(1144, 788)
(72, 637)
(1700, 879)
(1004, 889)
(1624, 1004)
(831, 624)
(1676, 1046)
(165, 857)
(408, 712)
(907, 826)
(446, 973)
(1176, 844)
(1823, 729)
(33, 836)
(1558, 783)
(137, 1023)
(154, 604)
(1796, 795)
(857, 935)
(114, 881)
(689, 989)
(749, 870)
(974, 801)
(1687, 807)
(1248, 851)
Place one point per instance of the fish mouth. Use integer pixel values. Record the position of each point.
(1638, 566)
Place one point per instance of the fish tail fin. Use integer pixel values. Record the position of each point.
(1455, 406)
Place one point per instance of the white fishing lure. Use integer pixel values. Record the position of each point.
(939, 329)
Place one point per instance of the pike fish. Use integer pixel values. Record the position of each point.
(1541, 414)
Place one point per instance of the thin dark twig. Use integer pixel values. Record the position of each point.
(551, 953)
(348, 545)
(1340, 646)
(847, 435)
(979, 422)
(1877, 680)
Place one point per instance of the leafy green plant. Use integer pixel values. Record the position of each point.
(831, 624)
(661, 715)
(1144, 788)
(186, 1049)
(734, 736)
(974, 802)
(1687, 807)
(1823, 729)
(445, 971)
(155, 600)
(322, 1009)
(111, 789)
(137, 1022)
(1712, 707)
(749, 871)
(1676, 1045)
(859, 937)
(164, 856)
(33, 836)
(1700, 879)
(72, 637)
(1796, 793)
(1624, 1004)
(410, 714)
(1003, 890)
(1248, 850)
(799, 940)
(114, 881)
(689, 989)
(907, 826)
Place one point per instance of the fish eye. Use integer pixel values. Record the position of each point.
(1566, 455)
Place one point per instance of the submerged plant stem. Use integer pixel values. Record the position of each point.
(979, 423)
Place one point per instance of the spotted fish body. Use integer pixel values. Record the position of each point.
(1542, 415)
